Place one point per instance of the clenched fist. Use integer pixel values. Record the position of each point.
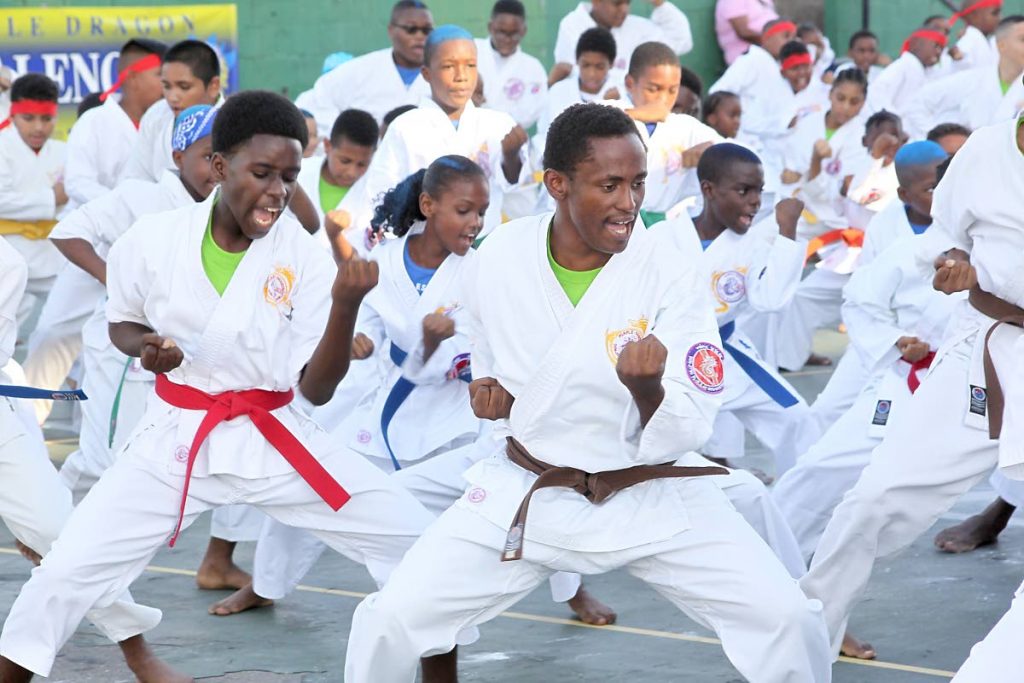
(954, 272)
(355, 279)
(822, 149)
(489, 399)
(641, 366)
(514, 141)
(912, 349)
(159, 354)
(436, 328)
(787, 214)
(362, 346)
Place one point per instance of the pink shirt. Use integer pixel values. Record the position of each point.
(758, 13)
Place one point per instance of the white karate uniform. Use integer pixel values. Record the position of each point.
(559, 363)
(566, 93)
(978, 50)
(998, 658)
(769, 105)
(918, 471)
(516, 85)
(370, 82)
(259, 334)
(99, 147)
(971, 98)
(667, 25)
(898, 85)
(885, 300)
(309, 181)
(418, 137)
(759, 270)
(873, 70)
(151, 153)
(33, 503)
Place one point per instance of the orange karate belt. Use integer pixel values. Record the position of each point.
(256, 404)
(852, 236)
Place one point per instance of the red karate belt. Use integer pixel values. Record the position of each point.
(256, 404)
(917, 366)
(852, 236)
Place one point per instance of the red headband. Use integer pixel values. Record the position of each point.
(145, 64)
(42, 107)
(779, 28)
(981, 4)
(934, 36)
(796, 60)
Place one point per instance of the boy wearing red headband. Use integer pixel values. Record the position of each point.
(899, 84)
(978, 43)
(31, 191)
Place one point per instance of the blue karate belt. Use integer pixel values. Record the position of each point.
(14, 391)
(775, 389)
(399, 393)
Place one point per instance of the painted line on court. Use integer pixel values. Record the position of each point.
(558, 621)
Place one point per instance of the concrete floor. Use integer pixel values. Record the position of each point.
(923, 611)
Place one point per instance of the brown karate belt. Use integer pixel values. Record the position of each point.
(1004, 313)
(596, 487)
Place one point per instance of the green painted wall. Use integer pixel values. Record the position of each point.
(282, 43)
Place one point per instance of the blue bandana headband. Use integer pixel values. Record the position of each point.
(192, 125)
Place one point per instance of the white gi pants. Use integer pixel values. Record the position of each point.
(44, 262)
(94, 561)
(35, 505)
(718, 572)
(998, 658)
(925, 463)
(816, 304)
(844, 387)
(57, 339)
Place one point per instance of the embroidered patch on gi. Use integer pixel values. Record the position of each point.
(514, 89)
(730, 286)
(461, 368)
(363, 436)
(871, 197)
(834, 167)
(277, 290)
(979, 400)
(616, 340)
(705, 366)
(181, 453)
(476, 495)
(882, 409)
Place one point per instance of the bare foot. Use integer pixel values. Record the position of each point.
(817, 360)
(13, 673)
(241, 600)
(852, 647)
(590, 610)
(977, 531)
(442, 668)
(218, 570)
(29, 554)
(147, 667)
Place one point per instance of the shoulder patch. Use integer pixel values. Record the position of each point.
(705, 366)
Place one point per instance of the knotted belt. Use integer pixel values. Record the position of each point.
(852, 236)
(596, 487)
(256, 404)
(913, 381)
(1003, 312)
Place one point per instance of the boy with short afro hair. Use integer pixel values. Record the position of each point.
(230, 339)
(513, 81)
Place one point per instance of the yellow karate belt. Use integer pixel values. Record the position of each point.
(32, 230)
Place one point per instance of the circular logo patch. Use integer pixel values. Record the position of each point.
(363, 436)
(978, 394)
(834, 167)
(883, 407)
(705, 366)
(181, 453)
(730, 287)
(514, 89)
(476, 495)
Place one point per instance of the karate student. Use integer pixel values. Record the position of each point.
(950, 136)
(977, 43)
(328, 178)
(31, 190)
(446, 123)
(98, 149)
(667, 25)
(596, 328)
(315, 146)
(34, 504)
(691, 93)
(767, 98)
(895, 89)
(723, 111)
(674, 142)
(378, 81)
(919, 471)
(283, 322)
(189, 76)
(514, 82)
(863, 53)
(750, 264)
(594, 79)
(977, 97)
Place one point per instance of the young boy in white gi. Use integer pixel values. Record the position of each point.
(863, 53)
(977, 97)
(918, 471)
(977, 45)
(189, 76)
(227, 367)
(381, 80)
(31, 188)
(607, 307)
(514, 82)
(667, 25)
(895, 89)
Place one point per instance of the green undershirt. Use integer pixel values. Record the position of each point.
(574, 282)
(1004, 86)
(330, 195)
(219, 265)
(829, 132)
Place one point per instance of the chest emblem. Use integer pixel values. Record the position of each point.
(277, 290)
(616, 340)
(834, 167)
(730, 286)
(514, 88)
(705, 366)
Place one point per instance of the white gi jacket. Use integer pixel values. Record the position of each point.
(13, 278)
(99, 146)
(516, 85)
(667, 25)
(978, 50)
(898, 86)
(971, 98)
(151, 154)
